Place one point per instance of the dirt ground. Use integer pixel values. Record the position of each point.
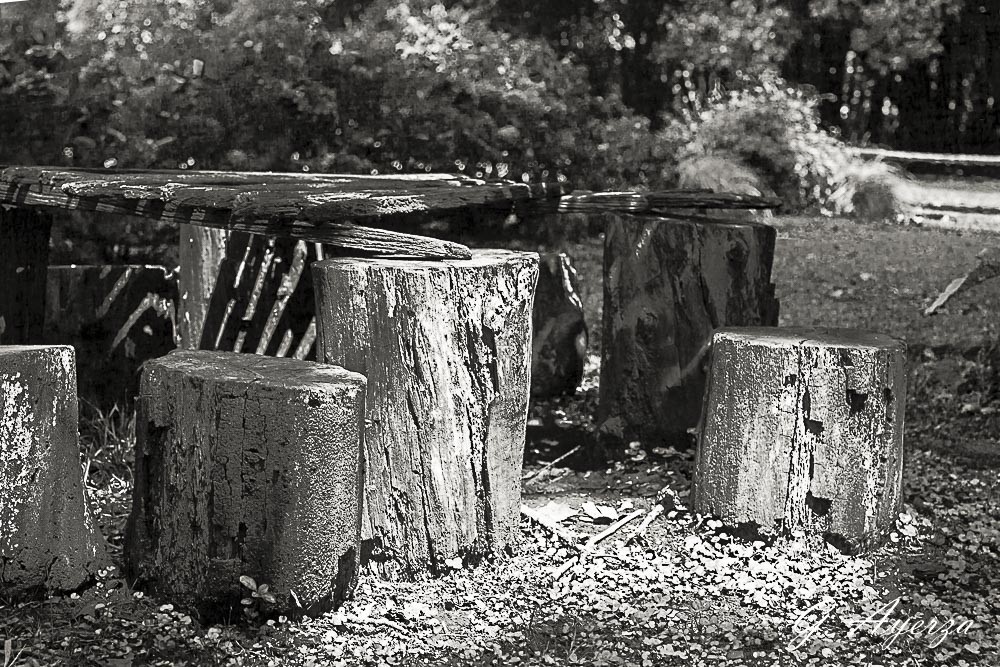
(682, 591)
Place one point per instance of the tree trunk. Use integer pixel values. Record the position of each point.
(803, 429)
(24, 256)
(246, 293)
(48, 542)
(446, 347)
(116, 317)
(246, 465)
(559, 344)
(668, 283)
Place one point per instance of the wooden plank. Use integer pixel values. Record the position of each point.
(655, 202)
(24, 256)
(362, 240)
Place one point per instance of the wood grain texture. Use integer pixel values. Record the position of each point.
(48, 541)
(446, 348)
(803, 429)
(116, 318)
(24, 254)
(668, 283)
(246, 465)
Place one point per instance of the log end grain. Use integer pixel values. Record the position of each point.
(247, 465)
(48, 541)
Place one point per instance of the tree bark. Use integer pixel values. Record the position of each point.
(803, 429)
(48, 541)
(446, 347)
(24, 256)
(668, 283)
(246, 293)
(559, 343)
(116, 317)
(246, 465)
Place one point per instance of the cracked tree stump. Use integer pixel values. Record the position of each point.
(668, 283)
(446, 348)
(115, 317)
(244, 292)
(48, 541)
(803, 430)
(559, 343)
(24, 256)
(246, 465)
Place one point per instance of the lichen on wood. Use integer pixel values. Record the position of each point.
(48, 541)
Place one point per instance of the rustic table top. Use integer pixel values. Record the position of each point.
(337, 209)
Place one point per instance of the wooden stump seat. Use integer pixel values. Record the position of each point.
(446, 348)
(48, 542)
(668, 284)
(803, 429)
(246, 465)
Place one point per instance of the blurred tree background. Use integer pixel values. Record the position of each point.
(606, 93)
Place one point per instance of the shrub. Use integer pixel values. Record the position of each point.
(774, 129)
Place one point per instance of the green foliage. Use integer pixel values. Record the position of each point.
(742, 36)
(891, 35)
(774, 128)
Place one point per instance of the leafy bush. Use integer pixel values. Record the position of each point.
(774, 129)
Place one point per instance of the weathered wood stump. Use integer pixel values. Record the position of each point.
(559, 344)
(116, 317)
(446, 348)
(24, 255)
(246, 465)
(668, 283)
(243, 292)
(48, 542)
(803, 429)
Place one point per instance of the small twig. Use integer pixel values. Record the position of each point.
(656, 511)
(548, 465)
(611, 530)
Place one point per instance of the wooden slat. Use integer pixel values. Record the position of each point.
(958, 160)
(654, 202)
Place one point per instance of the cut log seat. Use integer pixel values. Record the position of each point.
(668, 283)
(446, 348)
(803, 429)
(48, 541)
(246, 465)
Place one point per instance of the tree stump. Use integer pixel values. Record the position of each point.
(803, 429)
(24, 256)
(243, 292)
(559, 344)
(446, 348)
(116, 317)
(668, 283)
(48, 541)
(246, 465)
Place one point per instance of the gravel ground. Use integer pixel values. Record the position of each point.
(682, 591)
